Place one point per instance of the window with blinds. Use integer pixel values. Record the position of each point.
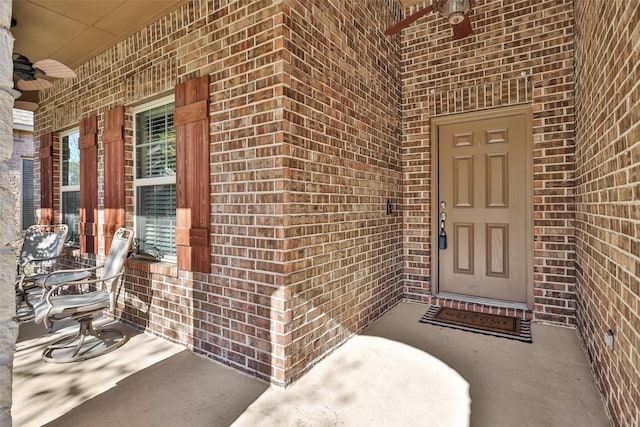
(155, 179)
(28, 216)
(70, 183)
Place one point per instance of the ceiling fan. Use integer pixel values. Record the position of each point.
(456, 11)
(27, 76)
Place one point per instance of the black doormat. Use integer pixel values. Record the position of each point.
(495, 325)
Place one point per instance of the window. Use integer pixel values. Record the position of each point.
(155, 179)
(27, 211)
(70, 184)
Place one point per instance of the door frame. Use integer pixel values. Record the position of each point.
(525, 110)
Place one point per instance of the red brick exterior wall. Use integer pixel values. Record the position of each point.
(485, 71)
(608, 214)
(304, 157)
(342, 89)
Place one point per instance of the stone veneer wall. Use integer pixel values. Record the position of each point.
(441, 76)
(608, 190)
(304, 156)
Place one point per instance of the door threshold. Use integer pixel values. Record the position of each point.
(484, 301)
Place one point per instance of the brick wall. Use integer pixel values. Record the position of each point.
(608, 215)
(303, 253)
(509, 39)
(342, 84)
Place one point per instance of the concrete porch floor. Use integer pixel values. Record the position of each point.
(398, 372)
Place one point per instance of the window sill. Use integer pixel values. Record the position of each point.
(164, 268)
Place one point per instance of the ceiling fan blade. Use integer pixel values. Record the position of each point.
(25, 105)
(407, 21)
(53, 68)
(31, 96)
(15, 93)
(36, 84)
(463, 29)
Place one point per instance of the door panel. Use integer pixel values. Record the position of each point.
(463, 248)
(482, 164)
(463, 181)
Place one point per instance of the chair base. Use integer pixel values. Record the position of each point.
(87, 343)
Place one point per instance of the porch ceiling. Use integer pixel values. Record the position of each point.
(72, 31)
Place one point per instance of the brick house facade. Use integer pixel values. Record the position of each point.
(317, 123)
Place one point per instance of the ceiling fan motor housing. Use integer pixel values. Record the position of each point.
(453, 10)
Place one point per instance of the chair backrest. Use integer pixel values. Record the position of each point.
(43, 241)
(120, 247)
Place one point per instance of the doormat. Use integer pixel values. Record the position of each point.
(489, 324)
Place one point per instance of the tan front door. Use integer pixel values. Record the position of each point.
(483, 181)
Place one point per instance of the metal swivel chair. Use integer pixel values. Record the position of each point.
(83, 301)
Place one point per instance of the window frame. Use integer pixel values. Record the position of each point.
(154, 181)
(69, 188)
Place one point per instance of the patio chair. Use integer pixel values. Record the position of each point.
(82, 301)
(39, 256)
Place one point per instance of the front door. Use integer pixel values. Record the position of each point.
(484, 204)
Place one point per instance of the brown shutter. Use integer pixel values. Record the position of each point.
(191, 119)
(113, 142)
(88, 185)
(46, 178)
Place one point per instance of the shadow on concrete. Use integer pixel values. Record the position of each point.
(397, 372)
(184, 389)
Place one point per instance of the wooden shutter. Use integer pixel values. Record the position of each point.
(46, 178)
(88, 185)
(191, 120)
(113, 142)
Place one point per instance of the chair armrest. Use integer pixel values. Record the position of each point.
(52, 275)
(78, 283)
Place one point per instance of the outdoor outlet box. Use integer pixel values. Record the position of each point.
(608, 339)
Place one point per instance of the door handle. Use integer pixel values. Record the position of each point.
(442, 236)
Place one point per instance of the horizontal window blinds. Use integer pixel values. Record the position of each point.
(155, 181)
(156, 219)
